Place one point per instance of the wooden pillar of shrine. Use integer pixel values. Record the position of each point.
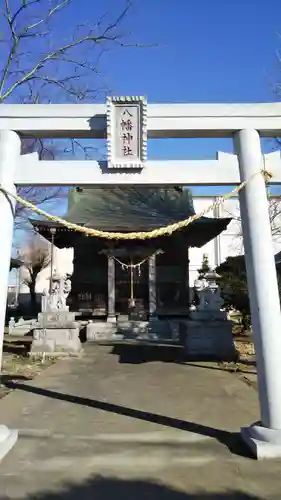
(187, 285)
(152, 284)
(111, 315)
(184, 290)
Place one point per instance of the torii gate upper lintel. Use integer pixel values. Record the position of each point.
(245, 123)
(163, 120)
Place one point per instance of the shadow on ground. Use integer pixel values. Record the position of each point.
(12, 377)
(19, 347)
(231, 440)
(107, 489)
(141, 353)
(138, 354)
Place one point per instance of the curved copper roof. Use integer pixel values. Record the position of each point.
(129, 209)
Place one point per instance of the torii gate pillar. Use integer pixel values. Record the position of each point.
(265, 438)
(10, 146)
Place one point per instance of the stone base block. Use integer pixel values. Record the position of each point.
(56, 341)
(263, 443)
(61, 319)
(99, 331)
(8, 438)
(210, 340)
(111, 320)
(164, 330)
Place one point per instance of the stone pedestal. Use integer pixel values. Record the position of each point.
(101, 331)
(208, 315)
(209, 339)
(56, 334)
(56, 319)
(209, 332)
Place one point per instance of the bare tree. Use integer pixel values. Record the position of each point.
(274, 209)
(43, 64)
(35, 194)
(38, 196)
(36, 67)
(35, 257)
(275, 217)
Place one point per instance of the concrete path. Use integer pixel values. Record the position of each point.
(109, 425)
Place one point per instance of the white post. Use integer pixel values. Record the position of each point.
(217, 240)
(264, 439)
(53, 232)
(9, 154)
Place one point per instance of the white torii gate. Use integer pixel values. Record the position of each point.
(245, 123)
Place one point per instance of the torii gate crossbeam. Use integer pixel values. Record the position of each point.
(163, 120)
(224, 171)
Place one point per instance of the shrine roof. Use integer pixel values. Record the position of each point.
(129, 209)
(15, 263)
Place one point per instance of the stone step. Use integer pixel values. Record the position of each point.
(154, 331)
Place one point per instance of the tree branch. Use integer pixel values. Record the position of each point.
(108, 35)
(42, 21)
(13, 49)
(25, 4)
(39, 66)
(274, 209)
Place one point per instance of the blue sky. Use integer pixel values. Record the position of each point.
(202, 51)
(206, 51)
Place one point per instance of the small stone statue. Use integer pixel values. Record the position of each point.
(208, 293)
(44, 300)
(54, 296)
(199, 286)
(64, 289)
(56, 300)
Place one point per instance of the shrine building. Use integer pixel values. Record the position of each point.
(109, 275)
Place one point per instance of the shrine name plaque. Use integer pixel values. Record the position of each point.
(126, 132)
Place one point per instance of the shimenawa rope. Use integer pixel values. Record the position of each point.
(138, 235)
